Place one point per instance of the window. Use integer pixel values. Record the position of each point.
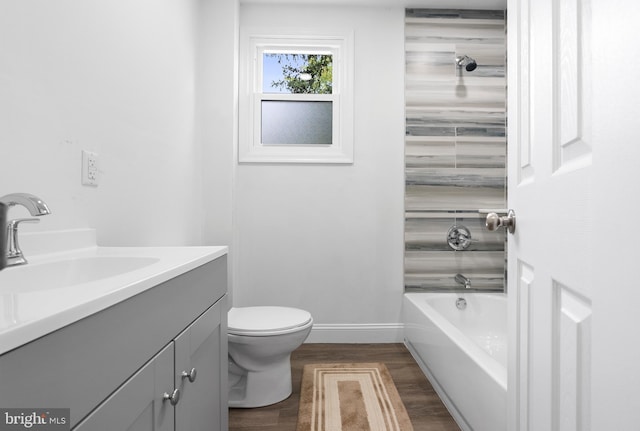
(297, 103)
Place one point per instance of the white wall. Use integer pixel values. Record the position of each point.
(217, 113)
(151, 86)
(117, 78)
(326, 238)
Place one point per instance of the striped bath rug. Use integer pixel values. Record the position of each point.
(350, 397)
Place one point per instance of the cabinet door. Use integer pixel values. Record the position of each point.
(203, 347)
(138, 404)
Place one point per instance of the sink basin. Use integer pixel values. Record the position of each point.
(68, 272)
(69, 277)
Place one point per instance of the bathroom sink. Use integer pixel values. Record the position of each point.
(68, 272)
(69, 277)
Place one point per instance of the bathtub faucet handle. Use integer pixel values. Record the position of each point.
(459, 237)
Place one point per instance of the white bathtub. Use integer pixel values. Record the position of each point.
(463, 353)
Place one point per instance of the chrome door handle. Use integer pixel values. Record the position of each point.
(494, 221)
(191, 375)
(174, 398)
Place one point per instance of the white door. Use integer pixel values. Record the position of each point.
(573, 182)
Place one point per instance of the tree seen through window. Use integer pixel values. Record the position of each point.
(298, 73)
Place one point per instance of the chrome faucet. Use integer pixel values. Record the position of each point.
(461, 279)
(10, 248)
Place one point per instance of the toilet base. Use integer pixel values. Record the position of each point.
(260, 388)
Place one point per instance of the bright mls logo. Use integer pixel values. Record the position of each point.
(35, 419)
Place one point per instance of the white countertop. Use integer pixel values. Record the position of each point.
(27, 312)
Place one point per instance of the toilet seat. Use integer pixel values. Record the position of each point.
(267, 321)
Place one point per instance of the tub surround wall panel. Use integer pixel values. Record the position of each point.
(431, 263)
(455, 145)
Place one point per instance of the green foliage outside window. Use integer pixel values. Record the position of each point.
(305, 73)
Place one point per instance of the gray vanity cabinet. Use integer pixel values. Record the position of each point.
(113, 367)
(195, 354)
(136, 405)
(203, 401)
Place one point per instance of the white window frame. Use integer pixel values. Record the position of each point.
(251, 149)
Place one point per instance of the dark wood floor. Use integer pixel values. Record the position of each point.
(425, 409)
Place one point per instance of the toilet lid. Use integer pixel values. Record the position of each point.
(265, 320)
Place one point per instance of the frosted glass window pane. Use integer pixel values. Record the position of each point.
(296, 122)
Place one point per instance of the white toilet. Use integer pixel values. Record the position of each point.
(261, 340)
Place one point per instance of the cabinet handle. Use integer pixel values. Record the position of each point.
(173, 398)
(191, 375)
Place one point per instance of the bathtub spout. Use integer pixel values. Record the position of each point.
(463, 280)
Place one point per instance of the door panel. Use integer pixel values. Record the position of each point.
(615, 376)
(573, 350)
(572, 64)
(522, 296)
(550, 172)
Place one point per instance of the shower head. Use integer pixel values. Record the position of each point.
(467, 62)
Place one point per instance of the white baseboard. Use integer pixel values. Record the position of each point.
(356, 333)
